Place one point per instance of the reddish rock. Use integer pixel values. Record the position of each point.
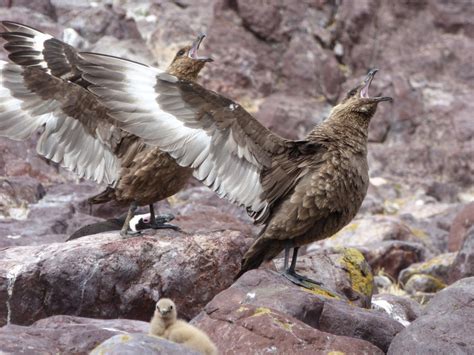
(265, 290)
(391, 257)
(342, 270)
(20, 12)
(463, 265)
(368, 230)
(241, 71)
(437, 267)
(131, 344)
(277, 21)
(20, 159)
(200, 210)
(402, 309)
(67, 335)
(461, 223)
(445, 327)
(21, 189)
(95, 22)
(108, 277)
(263, 20)
(453, 16)
(238, 328)
(48, 220)
(311, 70)
(292, 117)
(44, 7)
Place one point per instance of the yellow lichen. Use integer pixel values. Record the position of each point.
(286, 326)
(419, 233)
(261, 311)
(359, 271)
(174, 201)
(437, 260)
(242, 309)
(316, 290)
(432, 283)
(125, 338)
(344, 68)
(336, 353)
(349, 228)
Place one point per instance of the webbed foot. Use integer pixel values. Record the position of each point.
(158, 222)
(309, 284)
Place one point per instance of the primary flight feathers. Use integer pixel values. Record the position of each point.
(31, 98)
(230, 151)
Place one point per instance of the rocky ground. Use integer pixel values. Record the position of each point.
(397, 279)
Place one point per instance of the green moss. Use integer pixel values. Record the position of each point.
(359, 271)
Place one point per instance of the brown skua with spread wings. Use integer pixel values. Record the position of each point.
(302, 191)
(46, 89)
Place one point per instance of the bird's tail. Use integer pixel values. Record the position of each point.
(260, 251)
(105, 196)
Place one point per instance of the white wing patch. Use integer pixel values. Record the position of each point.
(128, 89)
(64, 140)
(35, 43)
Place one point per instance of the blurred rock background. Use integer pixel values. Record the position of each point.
(287, 62)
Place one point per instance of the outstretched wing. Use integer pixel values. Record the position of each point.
(42, 91)
(31, 98)
(226, 146)
(30, 47)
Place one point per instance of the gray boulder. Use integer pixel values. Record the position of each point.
(445, 327)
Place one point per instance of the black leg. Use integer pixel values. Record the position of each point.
(152, 214)
(131, 212)
(297, 279)
(287, 256)
(293, 259)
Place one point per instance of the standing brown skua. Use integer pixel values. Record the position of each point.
(302, 191)
(46, 89)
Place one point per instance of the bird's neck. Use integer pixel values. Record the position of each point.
(348, 131)
(182, 73)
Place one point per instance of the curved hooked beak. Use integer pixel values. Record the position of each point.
(364, 91)
(193, 52)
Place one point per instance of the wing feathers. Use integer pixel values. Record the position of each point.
(227, 147)
(64, 140)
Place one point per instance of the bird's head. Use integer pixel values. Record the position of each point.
(166, 309)
(357, 101)
(187, 64)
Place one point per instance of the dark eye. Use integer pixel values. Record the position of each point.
(171, 307)
(180, 53)
(352, 93)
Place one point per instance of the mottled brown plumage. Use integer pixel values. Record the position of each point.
(302, 190)
(80, 135)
